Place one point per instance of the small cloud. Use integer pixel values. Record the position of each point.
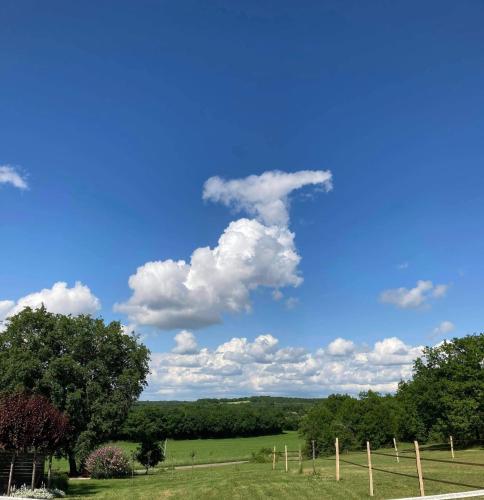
(403, 265)
(265, 196)
(60, 299)
(341, 347)
(277, 294)
(186, 343)
(443, 329)
(291, 302)
(440, 291)
(10, 175)
(408, 298)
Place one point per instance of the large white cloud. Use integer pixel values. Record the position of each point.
(178, 294)
(9, 175)
(243, 367)
(265, 196)
(407, 298)
(59, 299)
(251, 253)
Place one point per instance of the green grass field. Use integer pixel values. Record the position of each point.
(226, 450)
(258, 481)
(211, 450)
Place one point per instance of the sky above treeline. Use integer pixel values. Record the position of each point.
(279, 198)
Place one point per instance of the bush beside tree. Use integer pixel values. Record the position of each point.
(108, 462)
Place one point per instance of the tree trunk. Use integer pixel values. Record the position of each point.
(49, 472)
(72, 465)
(10, 475)
(34, 467)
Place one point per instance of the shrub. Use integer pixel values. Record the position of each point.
(149, 454)
(60, 480)
(108, 462)
(264, 455)
(42, 493)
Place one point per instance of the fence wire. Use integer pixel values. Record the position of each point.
(412, 476)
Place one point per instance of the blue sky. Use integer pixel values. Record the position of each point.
(115, 114)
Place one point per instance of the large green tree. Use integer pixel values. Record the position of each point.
(446, 395)
(90, 370)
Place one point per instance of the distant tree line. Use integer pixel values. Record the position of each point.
(445, 397)
(196, 421)
(215, 418)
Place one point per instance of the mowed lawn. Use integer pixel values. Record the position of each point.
(259, 481)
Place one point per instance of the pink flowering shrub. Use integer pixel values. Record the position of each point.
(108, 462)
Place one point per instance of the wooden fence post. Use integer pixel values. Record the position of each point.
(336, 444)
(370, 472)
(314, 457)
(274, 459)
(10, 475)
(49, 472)
(419, 469)
(34, 470)
(396, 449)
(285, 453)
(452, 447)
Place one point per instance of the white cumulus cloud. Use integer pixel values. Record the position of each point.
(186, 343)
(251, 253)
(407, 298)
(444, 328)
(9, 175)
(178, 294)
(59, 299)
(265, 196)
(341, 347)
(242, 367)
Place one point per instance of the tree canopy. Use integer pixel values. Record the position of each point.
(89, 370)
(445, 397)
(201, 420)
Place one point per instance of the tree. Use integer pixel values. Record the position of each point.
(149, 454)
(446, 395)
(89, 370)
(30, 423)
(354, 421)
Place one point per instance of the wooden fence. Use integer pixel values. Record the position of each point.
(415, 456)
(22, 472)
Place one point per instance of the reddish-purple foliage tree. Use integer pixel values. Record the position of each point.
(31, 423)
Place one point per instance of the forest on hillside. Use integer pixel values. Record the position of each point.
(216, 418)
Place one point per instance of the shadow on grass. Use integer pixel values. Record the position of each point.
(87, 488)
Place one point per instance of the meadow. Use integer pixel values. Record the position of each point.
(179, 452)
(259, 481)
